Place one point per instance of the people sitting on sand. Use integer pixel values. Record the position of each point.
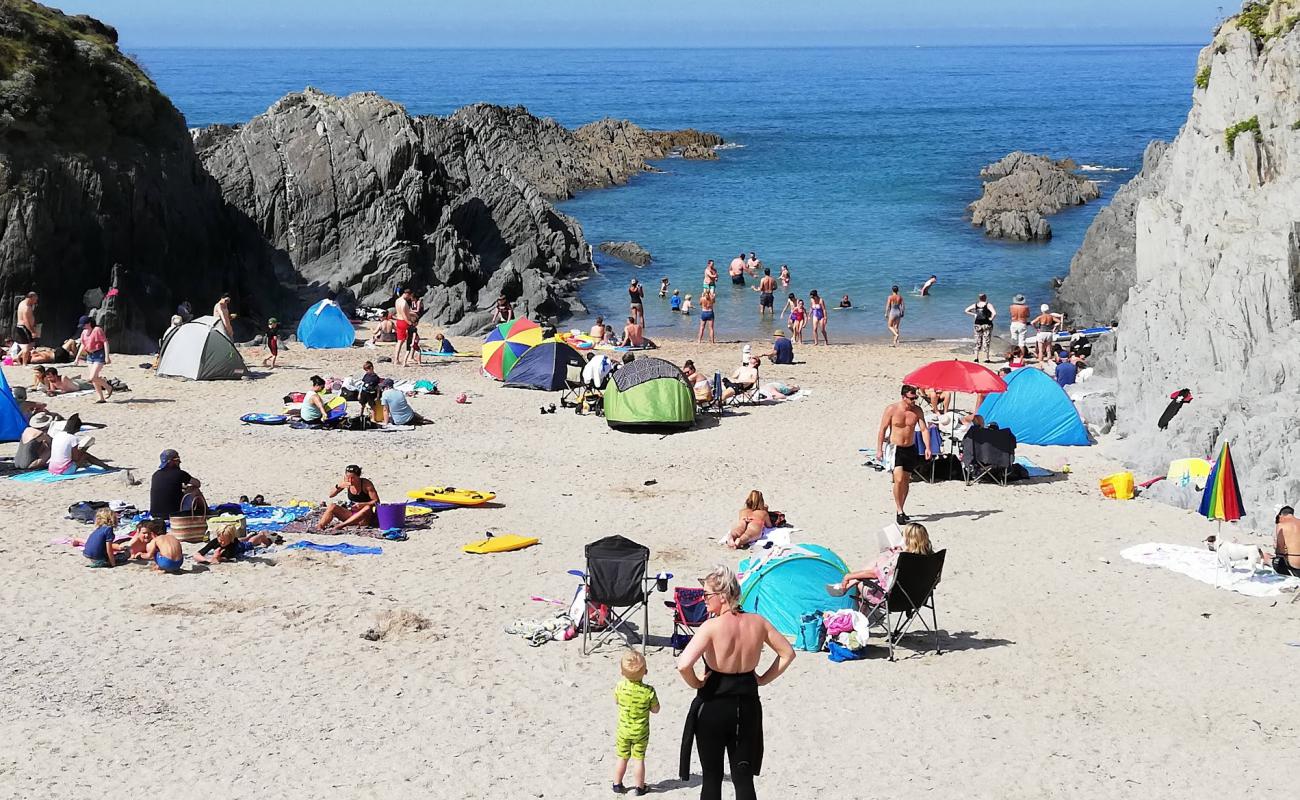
(598, 330)
(874, 582)
(782, 351)
(386, 330)
(627, 358)
(313, 409)
(34, 443)
(1015, 357)
(396, 407)
(742, 380)
(502, 311)
(633, 333)
(159, 547)
(1067, 371)
(227, 545)
(444, 345)
(168, 485)
(68, 452)
(359, 509)
(61, 384)
(753, 520)
(99, 546)
(1286, 555)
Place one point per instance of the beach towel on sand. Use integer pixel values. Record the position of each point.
(342, 547)
(45, 476)
(1203, 565)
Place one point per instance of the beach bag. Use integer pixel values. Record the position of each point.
(217, 523)
(1118, 486)
(189, 528)
(811, 635)
(85, 510)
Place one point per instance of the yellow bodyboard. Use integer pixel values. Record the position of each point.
(459, 497)
(501, 543)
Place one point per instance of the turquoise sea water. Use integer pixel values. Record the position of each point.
(853, 166)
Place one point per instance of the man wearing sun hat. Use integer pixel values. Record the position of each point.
(167, 486)
(1019, 319)
(782, 349)
(34, 445)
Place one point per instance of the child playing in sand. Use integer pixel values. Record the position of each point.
(272, 342)
(675, 302)
(99, 546)
(636, 702)
(162, 548)
(228, 546)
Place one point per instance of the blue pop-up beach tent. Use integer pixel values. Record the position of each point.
(786, 587)
(12, 423)
(1035, 409)
(325, 326)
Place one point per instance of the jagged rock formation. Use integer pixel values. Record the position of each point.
(1021, 188)
(354, 193)
(1215, 302)
(96, 168)
(628, 252)
(1102, 271)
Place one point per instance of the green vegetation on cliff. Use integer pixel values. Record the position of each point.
(1231, 134)
(1203, 78)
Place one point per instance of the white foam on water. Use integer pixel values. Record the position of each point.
(1096, 168)
(728, 146)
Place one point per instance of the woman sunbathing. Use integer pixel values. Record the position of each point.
(875, 580)
(753, 520)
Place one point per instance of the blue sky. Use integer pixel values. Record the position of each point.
(661, 23)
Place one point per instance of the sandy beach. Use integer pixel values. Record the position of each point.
(1067, 672)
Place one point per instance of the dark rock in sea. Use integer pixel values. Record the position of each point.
(1022, 188)
(97, 168)
(1105, 267)
(353, 192)
(629, 252)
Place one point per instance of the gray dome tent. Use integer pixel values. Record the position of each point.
(201, 351)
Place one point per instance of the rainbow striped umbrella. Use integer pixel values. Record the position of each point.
(1222, 498)
(506, 343)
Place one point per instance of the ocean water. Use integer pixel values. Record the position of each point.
(852, 166)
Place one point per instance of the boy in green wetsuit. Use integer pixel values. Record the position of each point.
(636, 702)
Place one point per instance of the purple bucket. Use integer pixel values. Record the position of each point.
(391, 515)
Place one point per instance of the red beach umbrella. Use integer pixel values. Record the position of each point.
(956, 375)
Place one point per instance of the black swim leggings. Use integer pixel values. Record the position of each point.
(718, 729)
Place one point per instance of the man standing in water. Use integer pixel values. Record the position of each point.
(928, 285)
(27, 331)
(896, 445)
(737, 269)
(766, 293)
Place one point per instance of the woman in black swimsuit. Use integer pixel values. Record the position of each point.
(726, 714)
(363, 498)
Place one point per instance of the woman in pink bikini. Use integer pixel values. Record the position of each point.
(798, 315)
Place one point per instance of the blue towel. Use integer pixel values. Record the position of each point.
(45, 476)
(342, 547)
(1033, 470)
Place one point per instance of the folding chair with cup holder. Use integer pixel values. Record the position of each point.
(912, 592)
(615, 588)
(689, 613)
(745, 394)
(573, 387)
(988, 453)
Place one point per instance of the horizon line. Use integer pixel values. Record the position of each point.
(126, 48)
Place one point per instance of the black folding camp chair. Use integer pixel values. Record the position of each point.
(689, 613)
(988, 453)
(915, 578)
(745, 393)
(615, 589)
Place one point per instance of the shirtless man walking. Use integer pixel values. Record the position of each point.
(896, 445)
(28, 330)
(766, 293)
(1287, 555)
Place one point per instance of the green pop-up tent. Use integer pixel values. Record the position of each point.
(649, 393)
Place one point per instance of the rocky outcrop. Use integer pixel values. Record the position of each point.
(1215, 300)
(353, 193)
(97, 169)
(1021, 189)
(1103, 270)
(627, 252)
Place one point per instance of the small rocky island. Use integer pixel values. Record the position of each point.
(1023, 188)
(629, 252)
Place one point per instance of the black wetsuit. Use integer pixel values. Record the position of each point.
(725, 716)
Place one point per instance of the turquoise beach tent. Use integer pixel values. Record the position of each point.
(785, 587)
(12, 423)
(1035, 409)
(325, 326)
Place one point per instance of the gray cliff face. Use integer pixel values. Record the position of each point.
(354, 193)
(1103, 270)
(97, 168)
(627, 252)
(1021, 189)
(1215, 301)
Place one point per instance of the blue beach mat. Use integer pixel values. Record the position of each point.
(45, 476)
(1032, 469)
(342, 547)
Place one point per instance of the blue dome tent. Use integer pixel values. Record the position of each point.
(325, 326)
(785, 587)
(544, 366)
(12, 423)
(1035, 409)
